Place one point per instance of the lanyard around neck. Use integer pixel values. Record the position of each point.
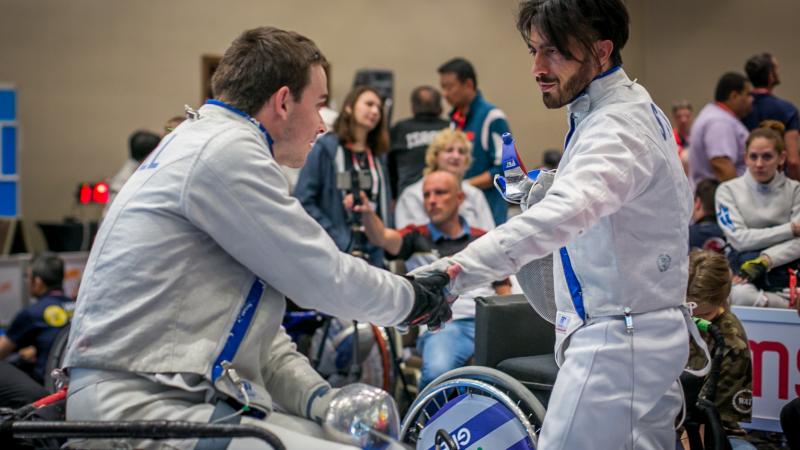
(248, 117)
(372, 169)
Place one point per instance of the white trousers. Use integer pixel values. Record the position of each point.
(618, 390)
(105, 395)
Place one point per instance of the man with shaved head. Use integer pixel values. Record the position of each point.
(445, 234)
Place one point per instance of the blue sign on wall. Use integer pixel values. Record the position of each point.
(8, 198)
(9, 176)
(8, 140)
(8, 104)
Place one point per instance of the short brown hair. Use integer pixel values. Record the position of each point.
(344, 127)
(261, 61)
(709, 278)
(681, 104)
(768, 129)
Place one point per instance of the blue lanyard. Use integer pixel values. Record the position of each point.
(246, 116)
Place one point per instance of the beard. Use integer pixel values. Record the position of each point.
(570, 89)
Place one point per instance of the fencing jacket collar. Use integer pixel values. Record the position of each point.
(597, 90)
(775, 185)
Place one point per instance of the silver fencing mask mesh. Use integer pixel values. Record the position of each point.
(536, 281)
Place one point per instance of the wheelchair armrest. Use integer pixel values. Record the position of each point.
(508, 327)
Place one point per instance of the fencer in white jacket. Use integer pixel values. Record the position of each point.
(759, 212)
(616, 220)
(180, 307)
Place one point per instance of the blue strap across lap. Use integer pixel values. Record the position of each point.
(239, 329)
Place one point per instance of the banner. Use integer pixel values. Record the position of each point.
(774, 336)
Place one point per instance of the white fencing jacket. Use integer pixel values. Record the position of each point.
(758, 217)
(616, 217)
(192, 262)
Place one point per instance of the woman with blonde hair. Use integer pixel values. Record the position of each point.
(759, 212)
(450, 151)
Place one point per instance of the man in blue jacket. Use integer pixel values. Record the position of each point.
(39, 324)
(484, 124)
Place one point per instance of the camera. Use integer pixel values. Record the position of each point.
(353, 182)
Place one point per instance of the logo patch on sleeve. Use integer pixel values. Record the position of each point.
(55, 316)
(724, 218)
(743, 401)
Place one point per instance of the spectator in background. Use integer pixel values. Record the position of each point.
(718, 137)
(172, 123)
(140, 144)
(449, 151)
(704, 232)
(551, 158)
(759, 213)
(709, 286)
(443, 232)
(483, 123)
(410, 138)
(39, 324)
(682, 124)
(359, 141)
(762, 70)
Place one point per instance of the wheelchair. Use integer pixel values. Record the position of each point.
(41, 424)
(473, 406)
(515, 374)
(498, 403)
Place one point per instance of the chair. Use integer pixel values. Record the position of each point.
(512, 338)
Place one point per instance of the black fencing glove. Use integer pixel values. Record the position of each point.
(431, 300)
(754, 269)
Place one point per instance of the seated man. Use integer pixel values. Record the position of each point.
(38, 325)
(445, 234)
(180, 307)
(449, 151)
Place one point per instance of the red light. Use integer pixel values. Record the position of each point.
(100, 193)
(84, 194)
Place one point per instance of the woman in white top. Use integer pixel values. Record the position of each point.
(450, 151)
(759, 212)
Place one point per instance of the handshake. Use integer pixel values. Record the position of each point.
(432, 298)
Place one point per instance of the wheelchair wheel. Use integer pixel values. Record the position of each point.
(470, 404)
(334, 345)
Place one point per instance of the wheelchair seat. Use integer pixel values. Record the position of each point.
(537, 373)
(511, 337)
